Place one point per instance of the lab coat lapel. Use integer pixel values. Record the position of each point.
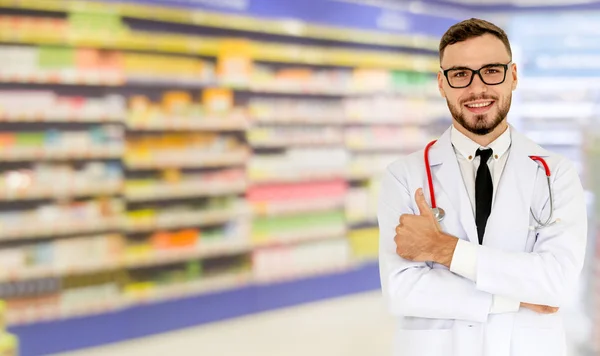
(510, 212)
(448, 177)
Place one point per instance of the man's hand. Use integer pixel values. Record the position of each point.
(420, 238)
(542, 309)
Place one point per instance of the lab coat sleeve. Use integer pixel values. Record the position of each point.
(414, 289)
(464, 263)
(549, 274)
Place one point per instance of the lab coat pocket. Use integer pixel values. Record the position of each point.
(433, 342)
(538, 342)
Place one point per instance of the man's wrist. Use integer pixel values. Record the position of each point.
(444, 249)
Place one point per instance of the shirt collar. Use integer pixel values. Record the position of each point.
(467, 147)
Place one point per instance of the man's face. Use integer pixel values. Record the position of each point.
(480, 107)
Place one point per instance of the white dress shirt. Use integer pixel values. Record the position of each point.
(464, 260)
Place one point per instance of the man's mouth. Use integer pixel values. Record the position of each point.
(479, 106)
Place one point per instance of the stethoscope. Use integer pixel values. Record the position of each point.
(439, 213)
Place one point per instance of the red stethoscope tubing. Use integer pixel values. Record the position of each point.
(430, 179)
(543, 162)
(428, 170)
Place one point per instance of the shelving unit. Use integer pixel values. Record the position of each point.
(226, 165)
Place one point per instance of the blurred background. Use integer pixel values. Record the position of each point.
(209, 169)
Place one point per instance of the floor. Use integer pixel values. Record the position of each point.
(351, 326)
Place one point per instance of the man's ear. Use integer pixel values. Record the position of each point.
(440, 78)
(514, 76)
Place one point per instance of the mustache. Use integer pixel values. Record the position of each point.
(479, 97)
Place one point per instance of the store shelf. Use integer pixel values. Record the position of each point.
(81, 78)
(210, 46)
(226, 247)
(199, 160)
(39, 230)
(227, 301)
(189, 123)
(182, 220)
(69, 118)
(61, 192)
(37, 153)
(355, 176)
(295, 177)
(361, 224)
(21, 274)
(153, 258)
(181, 290)
(165, 191)
(299, 236)
(232, 22)
(383, 148)
(299, 121)
(283, 143)
(296, 207)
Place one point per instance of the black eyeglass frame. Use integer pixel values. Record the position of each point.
(478, 72)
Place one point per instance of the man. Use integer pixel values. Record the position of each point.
(488, 279)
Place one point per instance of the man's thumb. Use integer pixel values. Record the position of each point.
(424, 208)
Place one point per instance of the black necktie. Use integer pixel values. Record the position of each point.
(484, 190)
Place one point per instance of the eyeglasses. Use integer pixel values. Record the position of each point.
(490, 74)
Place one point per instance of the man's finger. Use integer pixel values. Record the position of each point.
(424, 208)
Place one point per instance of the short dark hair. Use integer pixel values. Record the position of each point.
(472, 28)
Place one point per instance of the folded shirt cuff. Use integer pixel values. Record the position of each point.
(464, 260)
(504, 305)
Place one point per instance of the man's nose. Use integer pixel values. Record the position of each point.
(477, 85)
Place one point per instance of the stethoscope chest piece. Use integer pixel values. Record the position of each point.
(439, 213)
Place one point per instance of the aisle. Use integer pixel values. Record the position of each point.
(350, 326)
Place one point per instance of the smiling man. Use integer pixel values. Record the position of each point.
(485, 272)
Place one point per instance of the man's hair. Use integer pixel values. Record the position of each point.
(472, 28)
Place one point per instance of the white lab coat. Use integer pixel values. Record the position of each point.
(443, 314)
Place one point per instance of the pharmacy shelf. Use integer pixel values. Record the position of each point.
(85, 79)
(181, 220)
(399, 121)
(80, 78)
(40, 230)
(154, 258)
(198, 160)
(361, 224)
(300, 236)
(20, 154)
(294, 177)
(193, 189)
(227, 247)
(233, 298)
(128, 300)
(296, 206)
(61, 191)
(355, 176)
(189, 124)
(232, 22)
(210, 46)
(148, 259)
(8, 275)
(67, 118)
(298, 121)
(385, 147)
(299, 142)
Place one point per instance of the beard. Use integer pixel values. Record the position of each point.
(481, 124)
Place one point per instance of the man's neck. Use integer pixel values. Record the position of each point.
(483, 140)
